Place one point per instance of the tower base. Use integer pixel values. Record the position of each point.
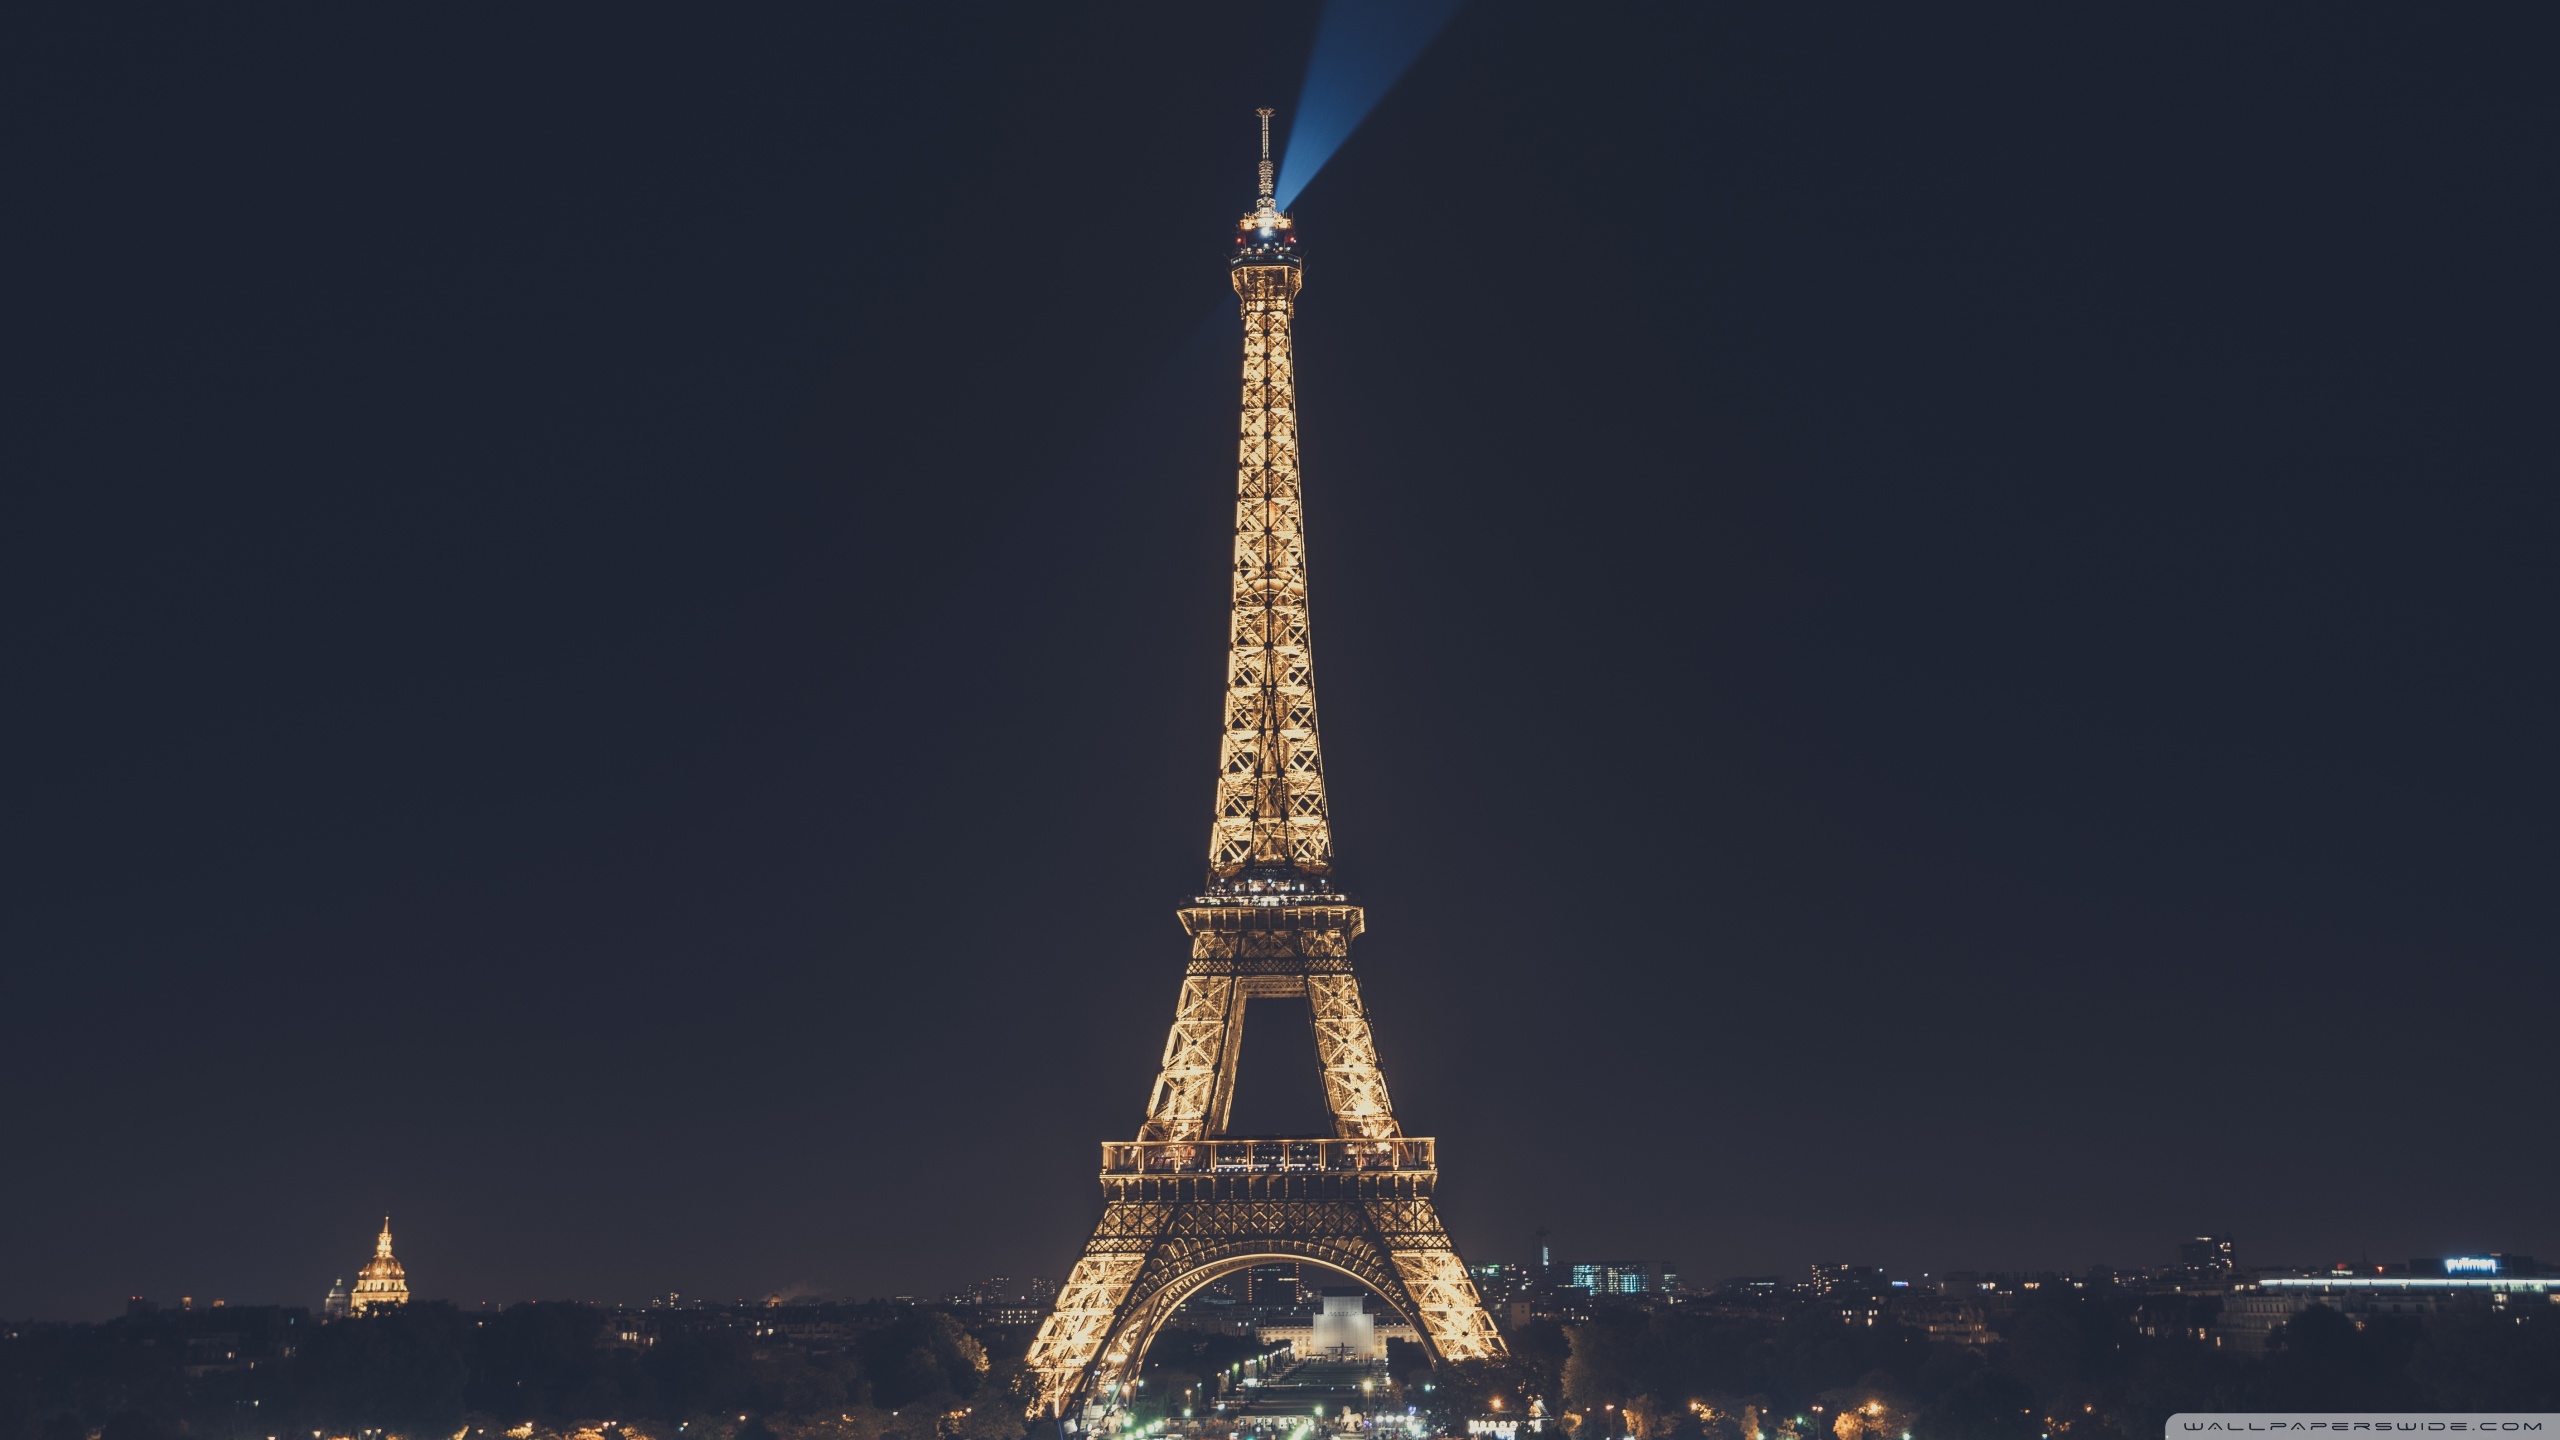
(1162, 1239)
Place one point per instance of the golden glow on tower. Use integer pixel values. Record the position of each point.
(1185, 1204)
(382, 1282)
(1271, 817)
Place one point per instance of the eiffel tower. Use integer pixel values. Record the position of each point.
(1186, 1204)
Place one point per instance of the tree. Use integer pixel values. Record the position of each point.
(1464, 1390)
(921, 1356)
(1986, 1405)
(544, 1361)
(401, 1371)
(1867, 1412)
(2485, 1360)
(136, 1425)
(700, 1372)
(2063, 1346)
(2166, 1378)
(2321, 1360)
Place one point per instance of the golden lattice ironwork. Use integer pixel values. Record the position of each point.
(1271, 805)
(1185, 1204)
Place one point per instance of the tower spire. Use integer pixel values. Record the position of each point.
(1265, 113)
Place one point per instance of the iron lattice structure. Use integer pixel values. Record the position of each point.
(1184, 1204)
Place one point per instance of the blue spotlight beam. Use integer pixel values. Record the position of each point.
(1362, 48)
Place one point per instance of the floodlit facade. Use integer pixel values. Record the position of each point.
(382, 1283)
(1344, 1330)
(1186, 1205)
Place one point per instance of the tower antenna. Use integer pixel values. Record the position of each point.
(1265, 113)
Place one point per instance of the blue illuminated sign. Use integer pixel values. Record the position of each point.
(2471, 1264)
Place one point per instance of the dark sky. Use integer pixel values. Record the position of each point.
(1934, 631)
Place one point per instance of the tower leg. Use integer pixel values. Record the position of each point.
(1070, 1343)
(1197, 1080)
(1354, 1086)
(1444, 1303)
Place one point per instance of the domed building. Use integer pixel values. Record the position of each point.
(381, 1283)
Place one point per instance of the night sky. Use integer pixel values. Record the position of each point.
(1934, 630)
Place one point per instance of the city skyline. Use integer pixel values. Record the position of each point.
(1272, 1352)
(1930, 632)
(1600, 1278)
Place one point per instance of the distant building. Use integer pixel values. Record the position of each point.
(333, 1306)
(215, 1353)
(2250, 1317)
(1622, 1277)
(994, 1290)
(2511, 1267)
(1272, 1285)
(2176, 1315)
(381, 1284)
(2208, 1255)
(2251, 1313)
(1847, 1282)
(1948, 1321)
(1343, 1329)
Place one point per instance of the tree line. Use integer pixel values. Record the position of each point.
(429, 1370)
(2070, 1364)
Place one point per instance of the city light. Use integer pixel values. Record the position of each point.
(2545, 1285)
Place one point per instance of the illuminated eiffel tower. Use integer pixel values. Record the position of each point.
(1185, 1204)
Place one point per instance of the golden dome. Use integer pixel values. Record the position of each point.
(382, 1281)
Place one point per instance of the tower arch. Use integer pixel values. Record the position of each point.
(1360, 1208)
(1137, 1333)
